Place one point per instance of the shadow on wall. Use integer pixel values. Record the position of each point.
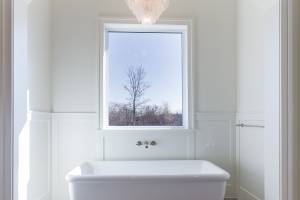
(23, 158)
(33, 159)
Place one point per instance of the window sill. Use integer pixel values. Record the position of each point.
(180, 130)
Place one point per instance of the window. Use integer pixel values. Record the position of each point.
(144, 76)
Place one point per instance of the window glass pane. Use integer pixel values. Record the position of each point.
(144, 79)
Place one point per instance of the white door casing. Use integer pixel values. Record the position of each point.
(6, 111)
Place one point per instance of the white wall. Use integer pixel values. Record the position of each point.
(32, 78)
(39, 55)
(251, 60)
(74, 89)
(75, 58)
(250, 157)
(20, 91)
(39, 184)
(74, 81)
(74, 141)
(40, 105)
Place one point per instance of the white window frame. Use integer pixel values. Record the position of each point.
(129, 25)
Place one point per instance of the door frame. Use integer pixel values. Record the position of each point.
(281, 182)
(6, 100)
(282, 107)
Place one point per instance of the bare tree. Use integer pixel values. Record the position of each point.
(136, 87)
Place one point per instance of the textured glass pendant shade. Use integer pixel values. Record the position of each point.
(147, 11)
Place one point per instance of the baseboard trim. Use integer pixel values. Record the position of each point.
(249, 193)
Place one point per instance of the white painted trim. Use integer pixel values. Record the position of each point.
(293, 105)
(230, 119)
(182, 25)
(251, 118)
(2, 116)
(190, 151)
(37, 116)
(55, 156)
(6, 108)
(91, 116)
(284, 99)
(57, 120)
(283, 152)
(280, 128)
(249, 194)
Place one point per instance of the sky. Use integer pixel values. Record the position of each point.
(161, 56)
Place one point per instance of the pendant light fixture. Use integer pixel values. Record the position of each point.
(147, 11)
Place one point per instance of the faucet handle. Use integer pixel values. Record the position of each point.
(139, 143)
(146, 143)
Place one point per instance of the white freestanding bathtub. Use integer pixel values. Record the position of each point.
(147, 180)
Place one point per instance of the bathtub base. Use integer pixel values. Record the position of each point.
(147, 180)
(148, 191)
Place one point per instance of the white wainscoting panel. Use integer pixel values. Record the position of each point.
(250, 157)
(74, 141)
(215, 141)
(171, 144)
(39, 186)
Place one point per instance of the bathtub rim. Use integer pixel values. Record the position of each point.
(223, 176)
